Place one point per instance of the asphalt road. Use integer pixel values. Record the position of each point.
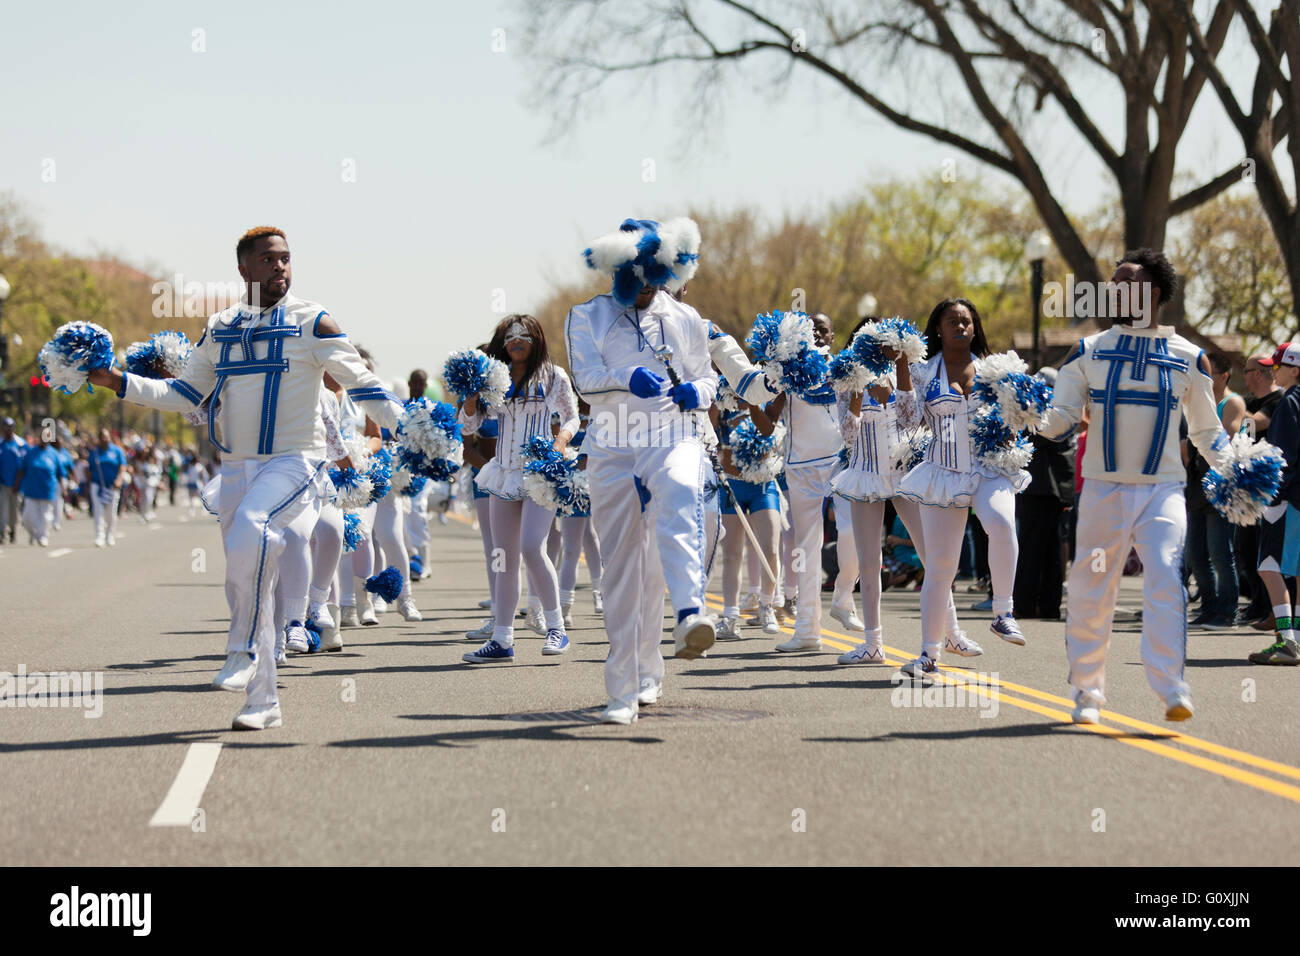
(394, 752)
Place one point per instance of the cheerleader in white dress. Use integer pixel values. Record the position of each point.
(878, 453)
(951, 478)
(520, 526)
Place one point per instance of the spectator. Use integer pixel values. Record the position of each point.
(1279, 533)
(1262, 399)
(1040, 524)
(38, 483)
(11, 455)
(107, 467)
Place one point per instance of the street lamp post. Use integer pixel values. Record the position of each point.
(4, 339)
(1036, 250)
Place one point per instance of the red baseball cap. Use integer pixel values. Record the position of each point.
(1285, 354)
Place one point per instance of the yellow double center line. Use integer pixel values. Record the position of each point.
(1208, 764)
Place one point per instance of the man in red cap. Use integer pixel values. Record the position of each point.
(1279, 532)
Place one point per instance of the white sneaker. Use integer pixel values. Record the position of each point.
(567, 611)
(379, 604)
(348, 617)
(536, 620)
(366, 611)
(408, 609)
(849, 618)
(486, 604)
(729, 629)
(237, 672)
(598, 600)
(251, 718)
(961, 645)
(112, 541)
(650, 692)
(693, 636)
(99, 542)
(767, 617)
(482, 632)
(1086, 708)
(616, 713)
(750, 603)
(1178, 707)
(863, 654)
(295, 638)
(800, 644)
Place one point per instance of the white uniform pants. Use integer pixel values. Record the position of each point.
(808, 486)
(38, 515)
(388, 532)
(105, 512)
(258, 500)
(1112, 518)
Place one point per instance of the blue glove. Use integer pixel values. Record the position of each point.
(686, 395)
(645, 383)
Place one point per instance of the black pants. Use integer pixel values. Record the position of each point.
(1039, 570)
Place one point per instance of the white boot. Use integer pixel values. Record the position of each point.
(365, 607)
(329, 636)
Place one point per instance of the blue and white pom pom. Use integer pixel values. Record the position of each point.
(726, 399)
(1245, 479)
(429, 438)
(77, 349)
(755, 455)
(380, 473)
(553, 480)
(902, 336)
(163, 356)
(414, 486)
(998, 447)
(351, 531)
(861, 364)
(387, 584)
(1022, 399)
(352, 486)
(911, 448)
(473, 372)
(785, 348)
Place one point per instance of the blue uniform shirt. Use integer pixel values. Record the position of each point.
(11, 453)
(105, 465)
(41, 470)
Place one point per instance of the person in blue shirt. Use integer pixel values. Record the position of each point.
(66, 463)
(12, 449)
(106, 468)
(39, 476)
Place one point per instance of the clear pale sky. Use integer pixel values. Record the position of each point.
(164, 155)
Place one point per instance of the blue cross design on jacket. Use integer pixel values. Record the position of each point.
(272, 366)
(1142, 353)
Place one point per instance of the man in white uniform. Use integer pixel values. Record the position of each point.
(1134, 380)
(258, 367)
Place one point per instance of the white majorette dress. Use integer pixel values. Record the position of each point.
(872, 439)
(518, 419)
(949, 474)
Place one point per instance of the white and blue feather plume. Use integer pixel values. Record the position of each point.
(77, 349)
(998, 446)
(1245, 479)
(755, 455)
(351, 531)
(352, 485)
(646, 253)
(1022, 399)
(726, 399)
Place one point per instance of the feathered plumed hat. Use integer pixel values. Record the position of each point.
(644, 253)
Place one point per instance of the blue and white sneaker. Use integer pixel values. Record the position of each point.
(295, 636)
(922, 669)
(962, 646)
(313, 636)
(864, 653)
(489, 653)
(557, 642)
(1005, 627)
